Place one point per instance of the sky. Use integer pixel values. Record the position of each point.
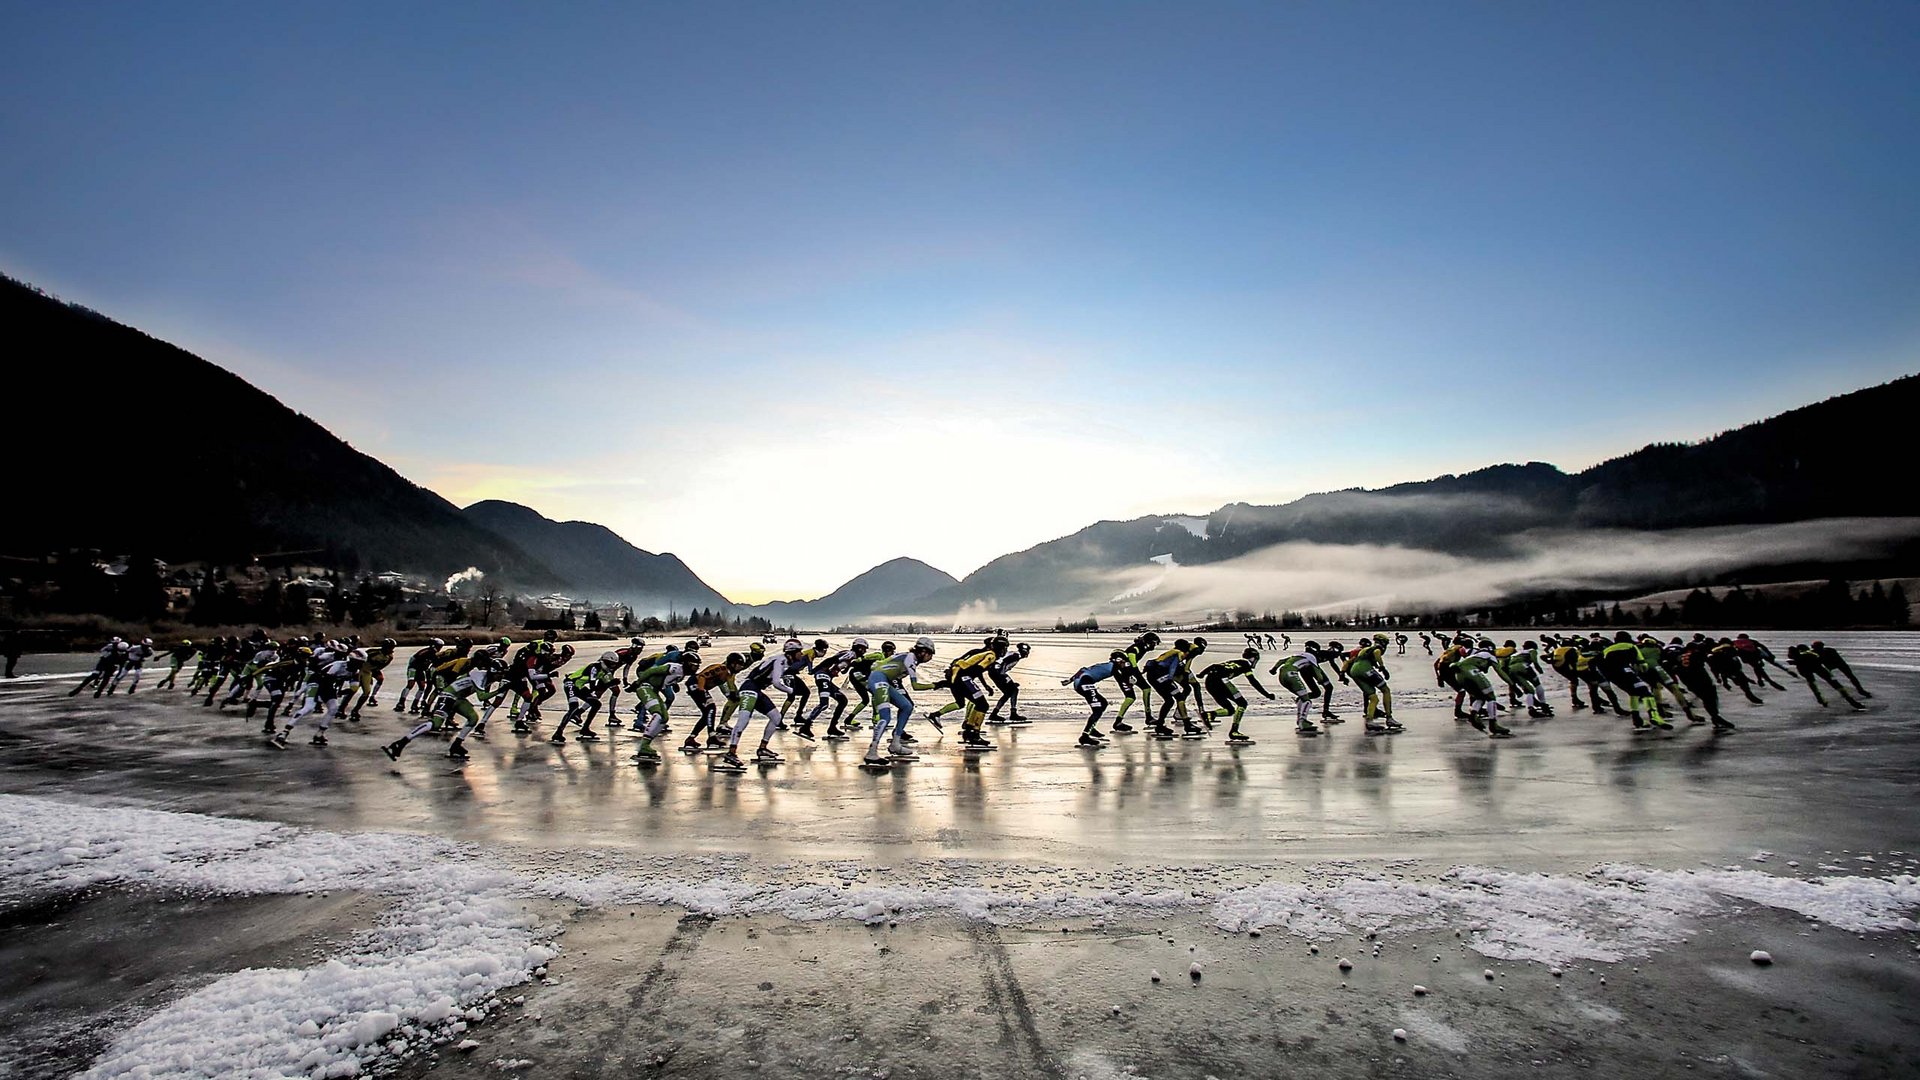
(790, 290)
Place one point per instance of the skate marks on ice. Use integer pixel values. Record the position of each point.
(464, 923)
(1007, 999)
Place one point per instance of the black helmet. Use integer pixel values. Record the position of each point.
(690, 659)
(1250, 653)
(734, 658)
(888, 648)
(820, 644)
(1182, 644)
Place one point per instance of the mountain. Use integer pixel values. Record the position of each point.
(594, 562)
(1838, 458)
(880, 590)
(146, 448)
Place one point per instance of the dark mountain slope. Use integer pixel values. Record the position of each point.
(144, 447)
(594, 561)
(881, 590)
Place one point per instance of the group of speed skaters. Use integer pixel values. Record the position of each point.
(863, 690)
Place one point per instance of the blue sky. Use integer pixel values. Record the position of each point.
(790, 290)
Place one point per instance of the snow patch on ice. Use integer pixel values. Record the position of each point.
(1429, 1029)
(1610, 914)
(456, 935)
(1089, 1064)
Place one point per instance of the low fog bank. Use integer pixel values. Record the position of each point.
(1312, 576)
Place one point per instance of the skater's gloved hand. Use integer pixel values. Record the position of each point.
(943, 684)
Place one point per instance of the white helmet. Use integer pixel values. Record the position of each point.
(358, 654)
(792, 645)
(925, 643)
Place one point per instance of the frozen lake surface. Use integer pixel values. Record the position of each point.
(179, 898)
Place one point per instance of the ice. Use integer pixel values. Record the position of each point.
(460, 929)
